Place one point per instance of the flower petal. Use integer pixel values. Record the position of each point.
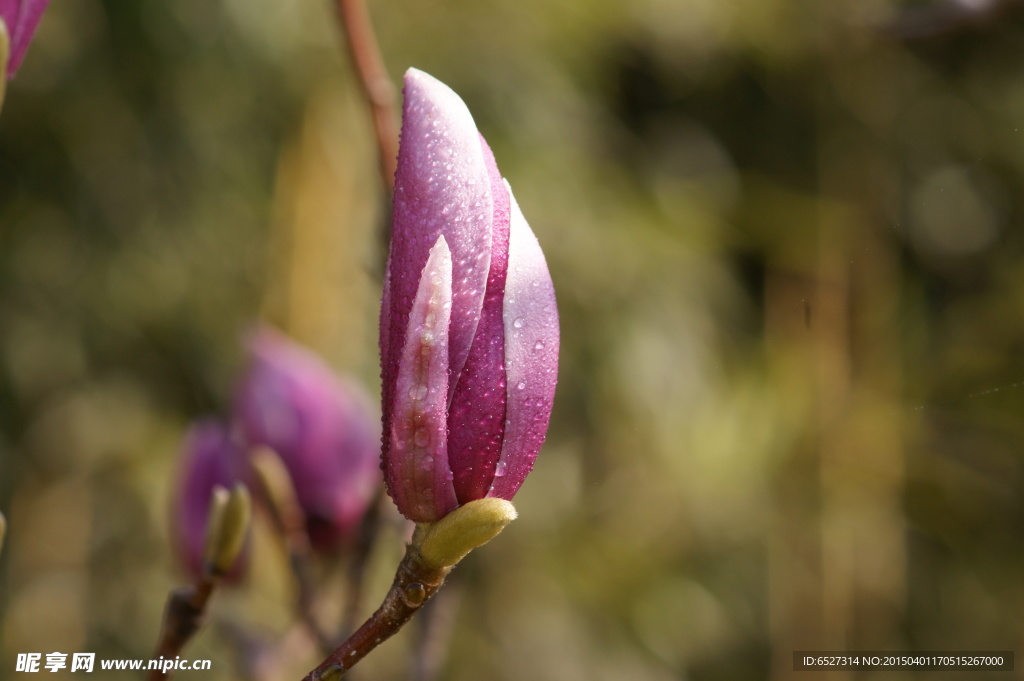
(476, 417)
(441, 187)
(416, 458)
(21, 18)
(209, 458)
(322, 428)
(531, 355)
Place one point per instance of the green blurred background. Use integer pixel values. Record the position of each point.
(787, 249)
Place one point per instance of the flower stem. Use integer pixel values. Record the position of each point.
(186, 610)
(289, 521)
(226, 526)
(415, 582)
(375, 83)
(356, 570)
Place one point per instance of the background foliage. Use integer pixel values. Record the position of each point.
(786, 243)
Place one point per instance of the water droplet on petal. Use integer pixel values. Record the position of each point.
(539, 345)
(501, 470)
(422, 437)
(418, 392)
(518, 323)
(521, 385)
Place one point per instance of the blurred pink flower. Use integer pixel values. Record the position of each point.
(322, 428)
(469, 326)
(209, 458)
(20, 18)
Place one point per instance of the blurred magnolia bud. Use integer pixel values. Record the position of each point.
(320, 427)
(3, 530)
(18, 22)
(210, 461)
(227, 528)
(469, 326)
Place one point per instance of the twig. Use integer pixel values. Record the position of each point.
(356, 569)
(304, 602)
(436, 548)
(289, 521)
(226, 527)
(415, 582)
(374, 81)
(186, 610)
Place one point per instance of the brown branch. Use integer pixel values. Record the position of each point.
(360, 558)
(375, 83)
(289, 521)
(304, 602)
(185, 613)
(436, 547)
(415, 582)
(227, 523)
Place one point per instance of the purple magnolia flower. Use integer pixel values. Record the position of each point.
(209, 458)
(20, 17)
(322, 428)
(469, 326)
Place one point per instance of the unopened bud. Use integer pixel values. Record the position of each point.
(234, 524)
(278, 488)
(473, 524)
(214, 519)
(321, 428)
(209, 460)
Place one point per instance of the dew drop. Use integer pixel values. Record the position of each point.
(422, 437)
(418, 392)
(539, 345)
(520, 386)
(501, 470)
(518, 323)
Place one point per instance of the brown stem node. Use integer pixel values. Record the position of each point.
(415, 582)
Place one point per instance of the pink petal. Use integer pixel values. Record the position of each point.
(441, 187)
(531, 355)
(21, 18)
(209, 458)
(416, 460)
(322, 428)
(476, 418)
